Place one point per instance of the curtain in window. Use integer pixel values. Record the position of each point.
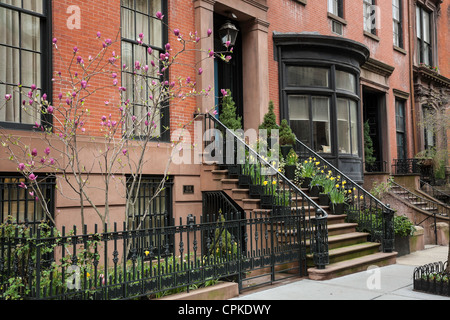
(20, 52)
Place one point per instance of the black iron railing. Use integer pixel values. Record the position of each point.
(432, 278)
(46, 265)
(406, 166)
(362, 207)
(430, 206)
(434, 192)
(276, 193)
(377, 166)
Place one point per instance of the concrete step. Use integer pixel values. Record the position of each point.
(341, 228)
(346, 267)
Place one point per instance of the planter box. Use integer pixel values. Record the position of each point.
(306, 182)
(338, 208)
(285, 150)
(289, 171)
(244, 180)
(324, 199)
(234, 169)
(401, 245)
(315, 191)
(255, 190)
(267, 201)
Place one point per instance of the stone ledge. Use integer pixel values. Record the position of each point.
(221, 291)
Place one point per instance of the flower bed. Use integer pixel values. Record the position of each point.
(431, 278)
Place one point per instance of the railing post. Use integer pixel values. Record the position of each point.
(388, 229)
(320, 240)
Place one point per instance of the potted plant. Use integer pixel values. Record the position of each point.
(315, 186)
(309, 169)
(287, 138)
(268, 196)
(290, 164)
(328, 184)
(337, 200)
(269, 122)
(403, 229)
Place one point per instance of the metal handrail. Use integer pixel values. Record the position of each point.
(361, 203)
(276, 187)
(434, 190)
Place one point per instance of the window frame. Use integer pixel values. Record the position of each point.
(46, 61)
(165, 113)
(398, 37)
(366, 16)
(339, 8)
(334, 93)
(420, 54)
(400, 132)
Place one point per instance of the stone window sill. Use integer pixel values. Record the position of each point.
(339, 19)
(371, 36)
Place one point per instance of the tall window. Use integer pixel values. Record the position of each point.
(397, 23)
(152, 210)
(25, 58)
(336, 7)
(424, 36)
(136, 18)
(429, 117)
(400, 125)
(310, 113)
(369, 16)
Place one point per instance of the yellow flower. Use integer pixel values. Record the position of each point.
(344, 182)
(361, 197)
(274, 182)
(314, 159)
(332, 178)
(306, 161)
(337, 186)
(265, 183)
(147, 252)
(87, 274)
(317, 163)
(349, 191)
(321, 171)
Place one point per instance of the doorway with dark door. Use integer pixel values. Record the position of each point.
(228, 75)
(374, 109)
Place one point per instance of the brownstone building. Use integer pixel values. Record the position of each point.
(328, 67)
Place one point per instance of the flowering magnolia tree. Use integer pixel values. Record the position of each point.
(121, 137)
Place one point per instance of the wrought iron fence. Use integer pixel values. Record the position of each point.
(362, 207)
(276, 192)
(432, 278)
(45, 264)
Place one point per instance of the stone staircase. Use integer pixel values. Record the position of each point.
(349, 250)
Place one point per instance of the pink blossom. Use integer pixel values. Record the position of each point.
(137, 65)
(159, 15)
(200, 71)
(124, 151)
(21, 166)
(34, 152)
(32, 177)
(47, 151)
(209, 32)
(114, 75)
(51, 161)
(50, 109)
(176, 32)
(22, 185)
(227, 44)
(99, 34)
(141, 35)
(83, 84)
(167, 46)
(75, 49)
(149, 50)
(55, 40)
(33, 87)
(8, 97)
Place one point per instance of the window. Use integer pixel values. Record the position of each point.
(429, 117)
(345, 81)
(400, 125)
(25, 48)
(347, 126)
(336, 7)
(137, 17)
(151, 210)
(20, 203)
(298, 76)
(369, 16)
(310, 117)
(424, 36)
(397, 23)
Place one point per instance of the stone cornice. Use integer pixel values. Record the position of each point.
(426, 73)
(378, 67)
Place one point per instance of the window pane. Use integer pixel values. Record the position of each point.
(321, 124)
(343, 125)
(299, 117)
(426, 26)
(128, 24)
(9, 26)
(345, 81)
(33, 5)
(307, 76)
(354, 127)
(418, 23)
(31, 69)
(31, 32)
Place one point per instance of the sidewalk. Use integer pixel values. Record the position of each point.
(394, 282)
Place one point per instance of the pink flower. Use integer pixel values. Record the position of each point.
(124, 151)
(227, 44)
(210, 53)
(22, 185)
(33, 87)
(137, 65)
(114, 75)
(51, 161)
(176, 32)
(167, 46)
(32, 177)
(8, 97)
(209, 32)
(50, 109)
(159, 15)
(21, 166)
(34, 152)
(99, 34)
(224, 92)
(55, 40)
(149, 50)
(83, 84)
(200, 71)
(47, 151)
(75, 49)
